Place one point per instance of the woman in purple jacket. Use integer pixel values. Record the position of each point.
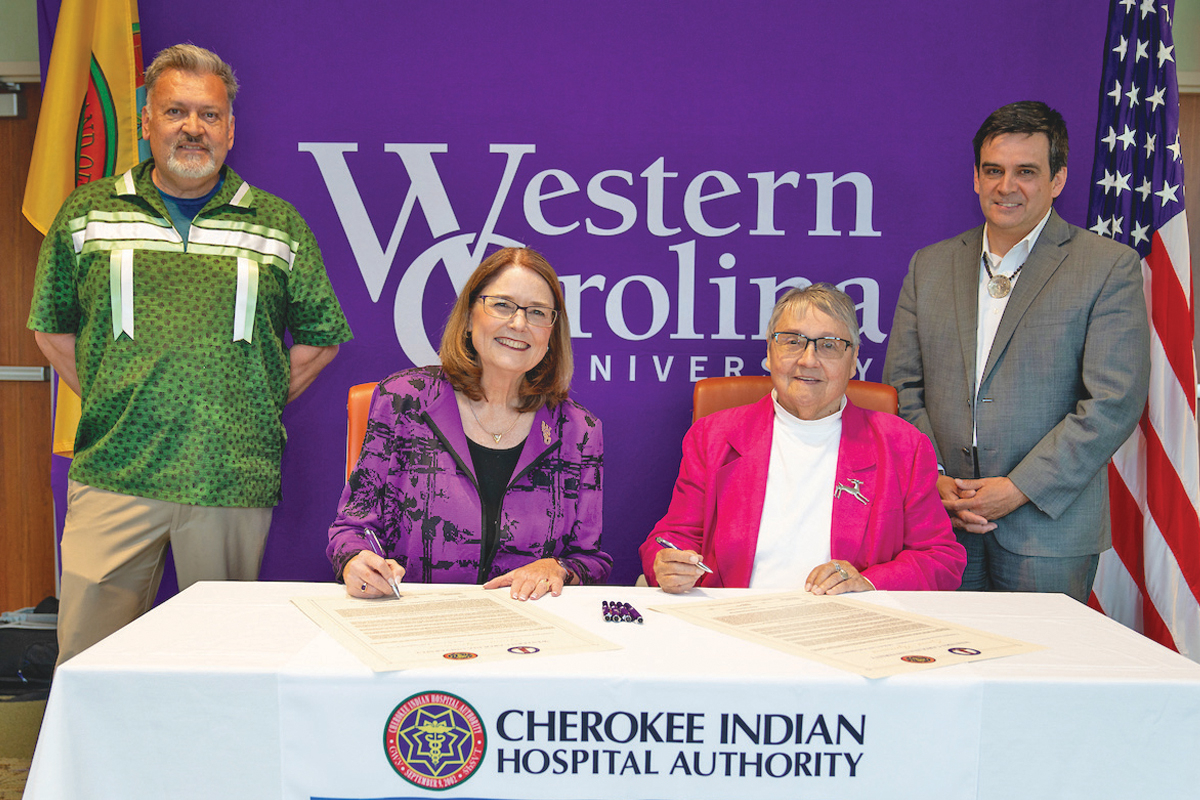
(480, 470)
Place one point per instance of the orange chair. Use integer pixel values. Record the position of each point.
(715, 394)
(358, 406)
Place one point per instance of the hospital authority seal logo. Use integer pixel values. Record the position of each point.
(434, 740)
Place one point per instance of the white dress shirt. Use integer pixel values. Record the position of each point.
(991, 309)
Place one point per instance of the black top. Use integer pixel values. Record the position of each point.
(493, 471)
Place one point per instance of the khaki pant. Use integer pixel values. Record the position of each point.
(114, 547)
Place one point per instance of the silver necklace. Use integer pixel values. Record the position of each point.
(998, 286)
(496, 436)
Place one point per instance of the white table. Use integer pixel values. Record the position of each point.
(229, 691)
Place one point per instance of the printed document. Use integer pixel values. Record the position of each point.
(845, 633)
(443, 626)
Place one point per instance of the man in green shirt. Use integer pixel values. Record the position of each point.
(162, 298)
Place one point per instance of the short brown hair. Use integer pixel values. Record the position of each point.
(549, 381)
(197, 60)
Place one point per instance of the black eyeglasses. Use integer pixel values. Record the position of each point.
(794, 344)
(503, 308)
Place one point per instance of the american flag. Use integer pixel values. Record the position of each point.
(1150, 580)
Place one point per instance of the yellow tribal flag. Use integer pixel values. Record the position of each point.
(88, 127)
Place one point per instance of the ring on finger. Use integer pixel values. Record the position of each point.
(364, 586)
(841, 571)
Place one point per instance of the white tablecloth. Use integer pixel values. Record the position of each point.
(229, 691)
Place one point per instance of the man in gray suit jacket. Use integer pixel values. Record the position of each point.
(1021, 349)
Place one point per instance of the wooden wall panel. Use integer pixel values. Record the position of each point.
(27, 564)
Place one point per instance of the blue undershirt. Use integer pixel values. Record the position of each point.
(184, 209)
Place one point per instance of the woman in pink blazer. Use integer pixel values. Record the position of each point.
(803, 488)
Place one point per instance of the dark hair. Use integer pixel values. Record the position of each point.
(546, 383)
(1028, 116)
(190, 58)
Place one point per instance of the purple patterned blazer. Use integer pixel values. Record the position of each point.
(414, 486)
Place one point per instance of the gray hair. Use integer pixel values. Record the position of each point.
(197, 60)
(824, 297)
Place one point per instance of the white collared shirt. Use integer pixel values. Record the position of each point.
(991, 309)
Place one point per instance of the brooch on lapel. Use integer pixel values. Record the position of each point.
(545, 433)
(853, 490)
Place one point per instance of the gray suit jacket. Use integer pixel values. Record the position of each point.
(1064, 385)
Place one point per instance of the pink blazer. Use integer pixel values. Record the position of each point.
(899, 539)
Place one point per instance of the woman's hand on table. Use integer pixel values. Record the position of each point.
(535, 579)
(676, 570)
(836, 577)
(367, 575)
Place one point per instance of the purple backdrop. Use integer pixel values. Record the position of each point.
(676, 163)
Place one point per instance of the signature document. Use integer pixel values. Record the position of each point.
(442, 626)
(845, 633)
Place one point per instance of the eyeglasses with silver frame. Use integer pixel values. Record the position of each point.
(503, 308)
(795, 344)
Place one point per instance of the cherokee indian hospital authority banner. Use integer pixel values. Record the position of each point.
(678, 163)
(496, 738)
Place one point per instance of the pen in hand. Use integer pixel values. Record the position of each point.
(379, 550)
(673, 546)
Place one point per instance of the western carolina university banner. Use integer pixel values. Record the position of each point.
(680, 164)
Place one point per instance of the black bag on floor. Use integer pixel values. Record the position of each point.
(28, 648)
